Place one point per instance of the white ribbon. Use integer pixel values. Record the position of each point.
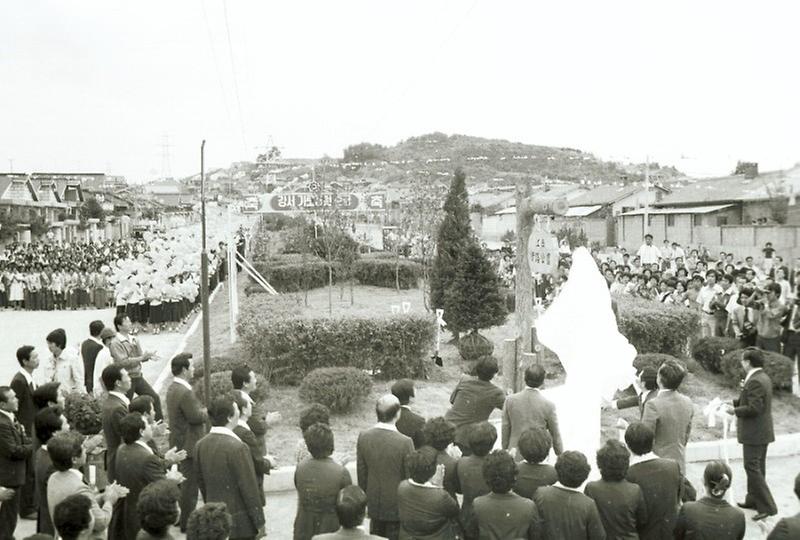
(440, 317)
(716, 410)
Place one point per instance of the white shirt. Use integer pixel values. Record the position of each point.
(102, 361)
(182, 382)
(750, 374)
(562, 486)
(648, 254)
(384, 425)
(9, 414)
(96, 340)
(706, 295)
(28, 377)
(678, 252)
(122, 398)
(243, 424)
(222, 430)
(646, 457)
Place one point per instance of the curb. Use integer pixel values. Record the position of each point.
(282, 478)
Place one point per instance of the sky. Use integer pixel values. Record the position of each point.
(101, 85)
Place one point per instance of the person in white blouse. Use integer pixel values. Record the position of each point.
(103, 360)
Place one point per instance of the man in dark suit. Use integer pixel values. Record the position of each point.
(15, 449)
(529, 409)
(565, 511)
(89, 350)
(261, 462)
(380, 455)
(754, 431)
(351, 508)
(225, 471)
(136, 467)
(646, 389)
(115, 407)
(788, 528)
(244, 381)
(187, 423)
(660, 480)
(410, 423)
(23, 386)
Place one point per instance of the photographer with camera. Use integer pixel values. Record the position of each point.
(770, 313)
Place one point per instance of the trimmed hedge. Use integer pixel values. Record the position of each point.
(284, 347)
(653, 327)
(778, 367)
(708, 351)
(294, 277)
(290, 274)
(654, 360)
(340, 389)
(381, 273)
(221, 384)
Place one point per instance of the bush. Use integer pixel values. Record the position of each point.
(279, 222)
(221, 384)
(653, 360)
(653, 327)
(778, 367)
(285, 348)
(338, 388)
(708, 351)
(84, 413)
(295, 277)
(474, 346)
(381, 273)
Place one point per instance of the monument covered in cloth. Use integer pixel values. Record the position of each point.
(580, 327)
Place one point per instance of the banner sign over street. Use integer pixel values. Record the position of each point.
(309, 202)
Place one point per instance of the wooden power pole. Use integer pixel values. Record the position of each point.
(518, 352)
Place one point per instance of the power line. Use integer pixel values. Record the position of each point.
(216, 65)
(233, 70)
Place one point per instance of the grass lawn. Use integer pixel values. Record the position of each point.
(433, 394)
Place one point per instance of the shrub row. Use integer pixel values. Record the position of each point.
(285, 348)
(653, 327)
(338, 388)
(778, 367)
(287, 274)
(708, 351)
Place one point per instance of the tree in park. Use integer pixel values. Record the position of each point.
(473, 301)
(455, 235)
(420, 221)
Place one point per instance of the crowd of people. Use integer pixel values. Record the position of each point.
(436, 478)
(155, 280)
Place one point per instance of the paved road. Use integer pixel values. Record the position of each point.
(19, 328)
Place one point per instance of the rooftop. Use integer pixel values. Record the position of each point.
(609, 194)
(735, 188)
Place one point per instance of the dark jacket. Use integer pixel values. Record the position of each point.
(637, 400)
(26, 412)
(43, 470)
(786, 529)
(426, 512)
(187, 420)
(15, 449)
(470, 482)
(410, 424)
(113, 411)
(260, 465)
(710, 519)
(621, 506)
(89, 350)
(660, 480)
(225, 474)
(472, 400)
(136, 467)
(318, 482)
(380, 457)
(502, 516)
(568, 514)
(753, 411)
(532, 476)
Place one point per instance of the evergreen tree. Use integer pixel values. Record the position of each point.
(454, 236)
(473, 299)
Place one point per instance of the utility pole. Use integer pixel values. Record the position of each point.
(204, 282)
(647, 195)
